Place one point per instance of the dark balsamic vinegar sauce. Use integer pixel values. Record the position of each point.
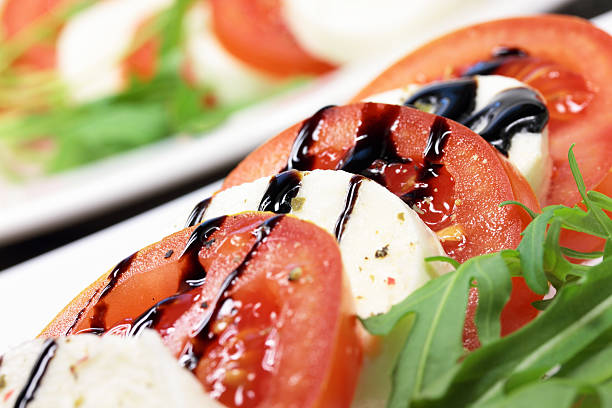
(172, 305)
(192, 273)
(373, 140)
(511, 111)
(499, 57)
(300, 157)
(203, 334)
(434, 151)
(97, 325)
(26, 395)
(374, 155)
(349, 205)
(282, 188)
(454, 99)
(197, 214)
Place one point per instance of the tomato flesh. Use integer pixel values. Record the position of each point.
(255, 32)
(568, 60)
(245, 327)
(460, 202)
(16, 16)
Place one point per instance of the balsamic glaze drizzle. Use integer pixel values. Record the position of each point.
(197, 214)
(512, 111)
(434, 150)
(193, 274)
(372, 140)
(374, 150)
(116, 273)
(99, 311)
(452, 99)
(151, 316)
(100, 308)
(282, 188)
(349, 205)
(38, 371)
(261, 233)
(500, 55)
(300, 157)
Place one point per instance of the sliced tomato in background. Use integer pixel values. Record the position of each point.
(569, 61)
(283, 333)
(255, 32)
(480, 180)
(16, 15)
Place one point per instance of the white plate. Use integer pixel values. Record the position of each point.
(32, 293)
(57, 201)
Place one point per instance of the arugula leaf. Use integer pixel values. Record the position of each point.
(580, 314)
(561, 359)
(435, 343)
(531, 251)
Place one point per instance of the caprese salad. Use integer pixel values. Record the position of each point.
(393, 251)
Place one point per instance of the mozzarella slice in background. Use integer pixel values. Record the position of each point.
(109, 371)
(384, 242)
(528, 151)
(342, 31)
(231, 80)
(92, 45)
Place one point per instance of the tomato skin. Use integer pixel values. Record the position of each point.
(254, 31)
(15, 15)
(312, 315)
(516, 313)
(575, 46)
(519, 310)
(479, 184)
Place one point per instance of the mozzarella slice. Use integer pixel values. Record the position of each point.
(383, 243)
(91, 371)
(92, 45)
(528, 151)
(231, 80)
(342, 31)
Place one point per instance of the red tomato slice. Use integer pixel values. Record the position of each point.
(461, 203)
(255, 304)
(17, 15)
(517, 312)
(569, 61)
(254, 31)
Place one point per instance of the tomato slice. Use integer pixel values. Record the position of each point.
(567, 59)
(456, 191)
(17, 15)
(241, 301)
(254, 31)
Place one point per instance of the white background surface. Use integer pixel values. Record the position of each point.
(32, 293)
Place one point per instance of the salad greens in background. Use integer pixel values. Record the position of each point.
(561, 359)
(41, 127)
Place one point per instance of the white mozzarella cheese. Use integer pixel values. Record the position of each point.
(231, 80)
(342, 31)
(528, 151)
(109, 371)
(92, 45)
(384, 242)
